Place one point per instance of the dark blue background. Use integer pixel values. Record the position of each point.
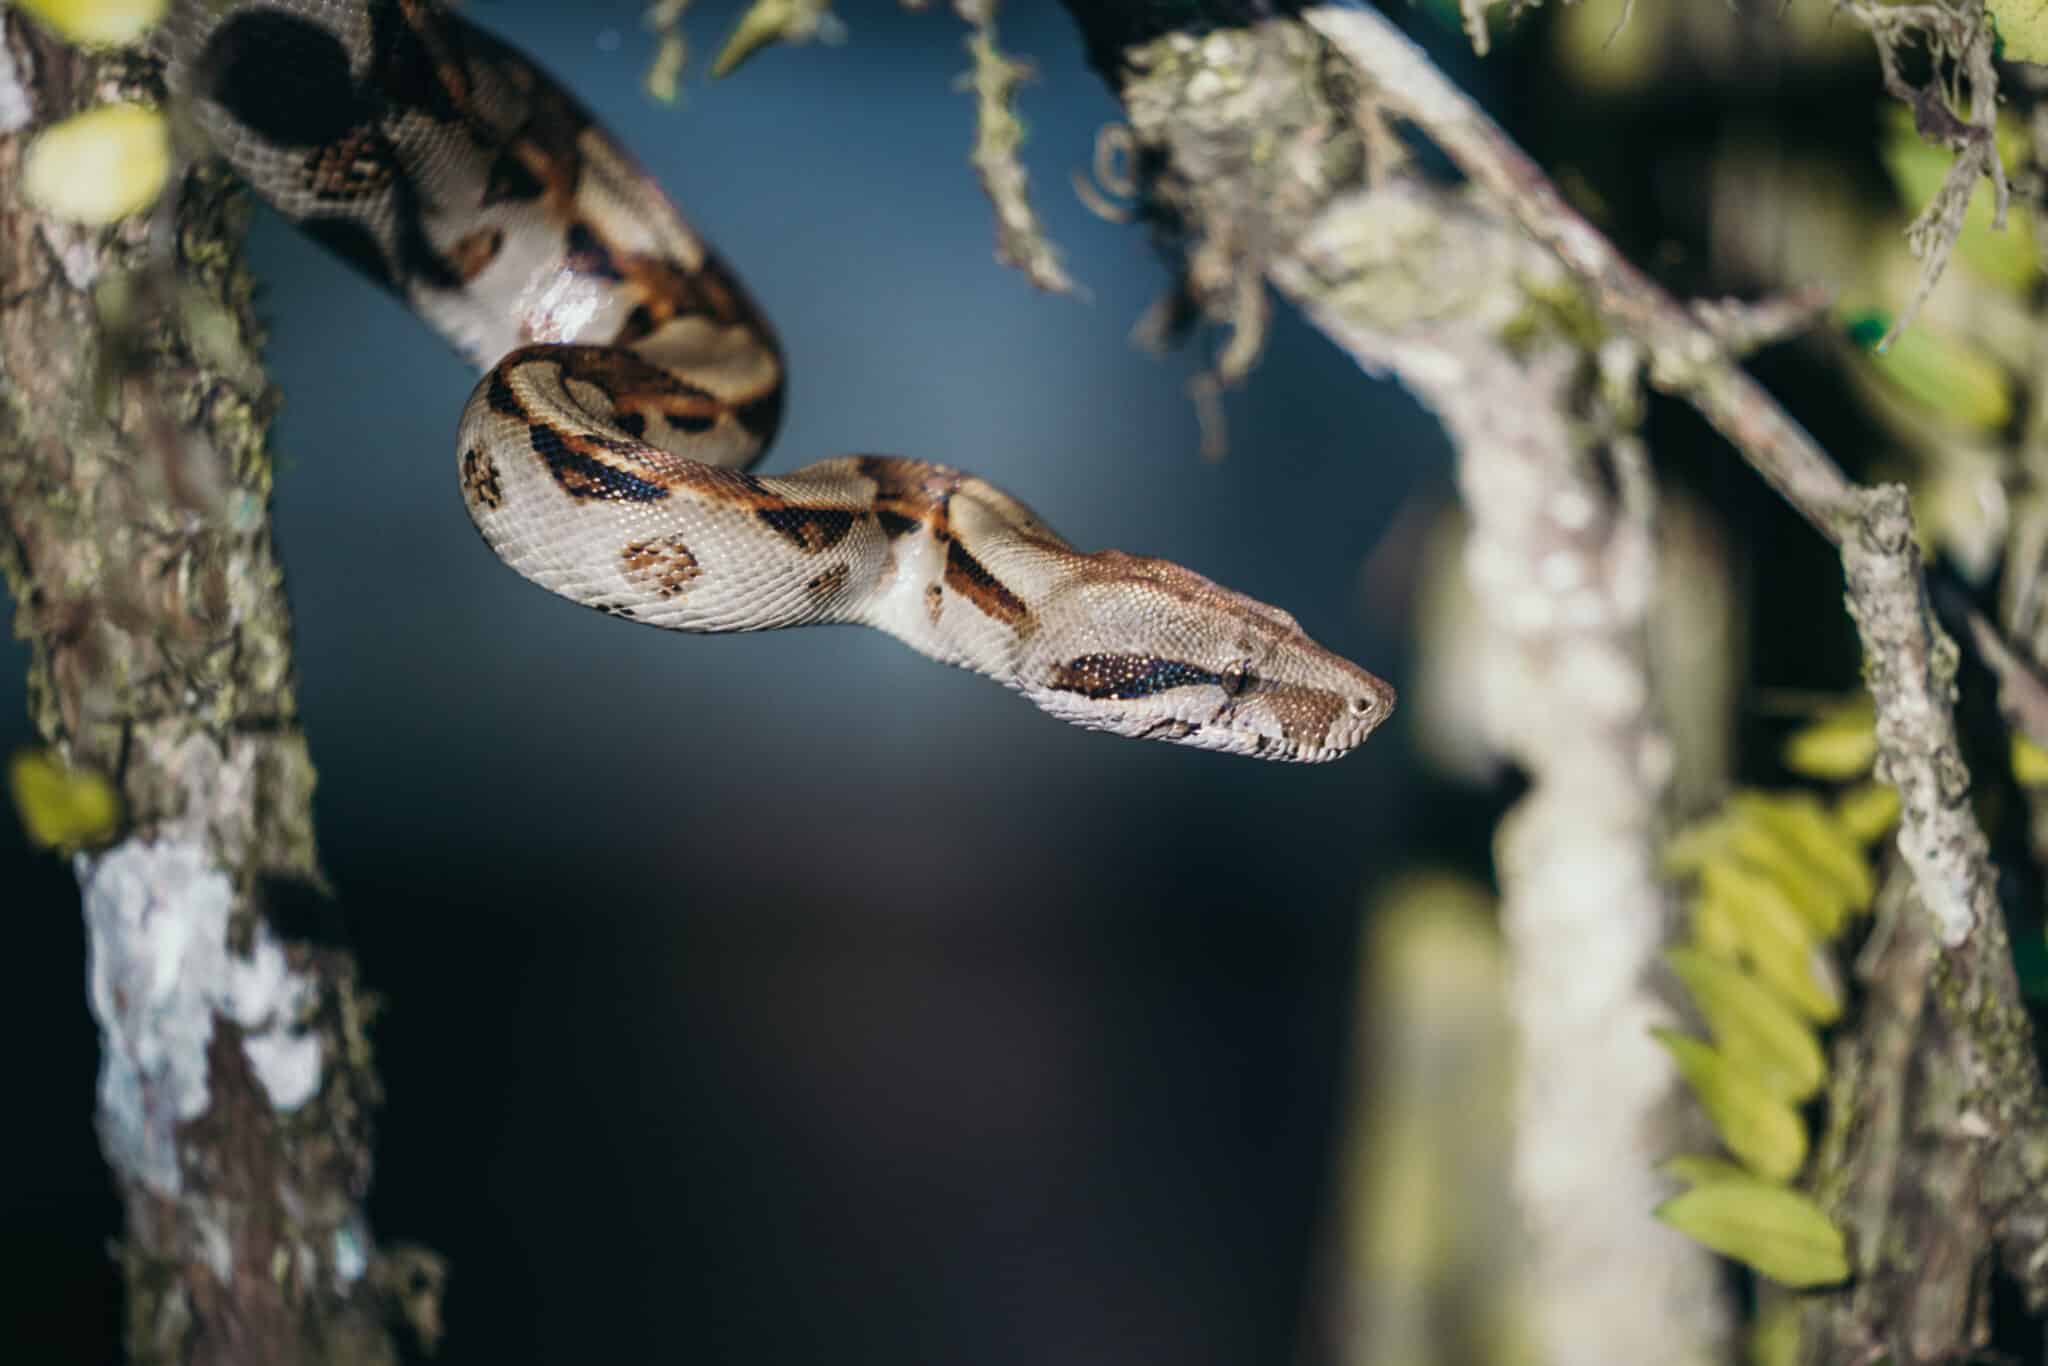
(789, 998)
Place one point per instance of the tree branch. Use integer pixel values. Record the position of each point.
(1561, 560)
(235, 1085)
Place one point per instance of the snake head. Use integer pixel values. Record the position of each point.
(1145, 648)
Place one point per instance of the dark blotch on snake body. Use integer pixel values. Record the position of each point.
(359, 165)
(661, 565)
(583, 477)
(639, 325)
(808, 529)
(511, 180)
(828, 585)
(409, 71)
(760, 417)
(969, 578)
(588, 255)
(286, 79)
(895, 524)
(480, 478)
(419, 260)
(501, 398)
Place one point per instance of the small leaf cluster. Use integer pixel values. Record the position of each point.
(1776, 878)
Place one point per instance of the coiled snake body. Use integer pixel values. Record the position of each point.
(631, 381)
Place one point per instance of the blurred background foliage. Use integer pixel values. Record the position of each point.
(787, 998)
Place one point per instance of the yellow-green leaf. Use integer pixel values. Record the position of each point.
(2022, 28)
(1946, 373)
(97, 23)
(1840, 744)
(1755, 1030)
(1734, 838)
(99, 166)
(1714, 930)
(1816, 836)
(1777, 941)
(1762, 1130)
(61, 807)
(1770, 1228)
(1868, 811)
(1824, 902)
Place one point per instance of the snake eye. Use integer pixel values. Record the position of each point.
(1361, 706)
(1235, 678)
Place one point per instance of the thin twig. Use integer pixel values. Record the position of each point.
(1743, 325)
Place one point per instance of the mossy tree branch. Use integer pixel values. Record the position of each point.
(235, 1086)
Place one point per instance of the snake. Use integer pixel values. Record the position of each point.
(630, 382)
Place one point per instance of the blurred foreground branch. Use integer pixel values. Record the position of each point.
(235, 1086)
(1268, 168)
(1561, 561)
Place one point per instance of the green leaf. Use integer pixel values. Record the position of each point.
(1814, 835)
(2022, 28)
(1760, 1128)
(1770, 1228)
(1841, 740)
(1755, 1030)
(1948, 374)
(1777, 941)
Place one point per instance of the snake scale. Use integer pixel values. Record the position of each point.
(630, 381)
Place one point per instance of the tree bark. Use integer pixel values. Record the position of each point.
(236, 1087)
